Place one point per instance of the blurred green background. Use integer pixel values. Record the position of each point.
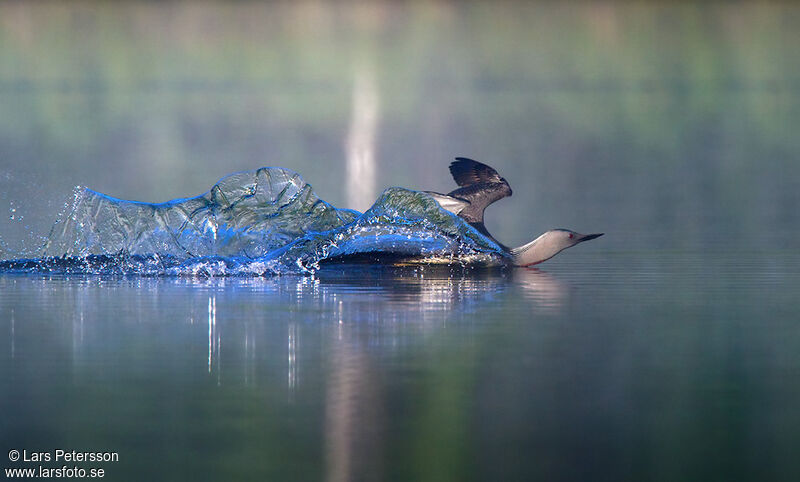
(665, 123)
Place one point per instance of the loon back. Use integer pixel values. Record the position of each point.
(480, 186)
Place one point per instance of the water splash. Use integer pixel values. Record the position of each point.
(27, 216)
(253, 223)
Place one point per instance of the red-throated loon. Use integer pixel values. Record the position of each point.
(480, 186)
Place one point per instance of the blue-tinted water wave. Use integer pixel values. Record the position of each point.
(262, 222)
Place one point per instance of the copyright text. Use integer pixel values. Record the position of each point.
(58, 456)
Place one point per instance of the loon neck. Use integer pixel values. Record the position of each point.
(539, 250)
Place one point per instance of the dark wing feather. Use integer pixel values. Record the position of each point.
(466, 172)
(479, 196)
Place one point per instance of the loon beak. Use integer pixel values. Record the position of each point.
(590, 236)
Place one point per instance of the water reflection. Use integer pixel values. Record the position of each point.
(354, 300)
(366, 306)
(354, 416)
(214, 338)
(13, 337)
(545, 290)
(292, 348)
(391, 373)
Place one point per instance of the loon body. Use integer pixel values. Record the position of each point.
(480, 186)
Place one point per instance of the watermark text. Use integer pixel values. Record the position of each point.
(66, 458)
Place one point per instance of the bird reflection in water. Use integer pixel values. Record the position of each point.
(355, 416)
(362, 313)
(547, 292)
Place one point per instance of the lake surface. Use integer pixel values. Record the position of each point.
(669, 349)
(603, 366)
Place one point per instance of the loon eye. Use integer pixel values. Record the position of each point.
(571, 236)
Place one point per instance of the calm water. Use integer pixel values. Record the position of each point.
(606, 365)
(667, 350)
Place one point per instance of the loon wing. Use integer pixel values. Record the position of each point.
(480, 186)
(449, 203)
(467, 172)
(457, 207)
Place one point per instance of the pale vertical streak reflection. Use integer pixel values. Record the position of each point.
(212, 328)
(249, 356)
(354, 418)
(292, 357)
(361, 140)
(77, 335)
(12, 334)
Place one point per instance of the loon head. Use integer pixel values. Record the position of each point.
(548, 245)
